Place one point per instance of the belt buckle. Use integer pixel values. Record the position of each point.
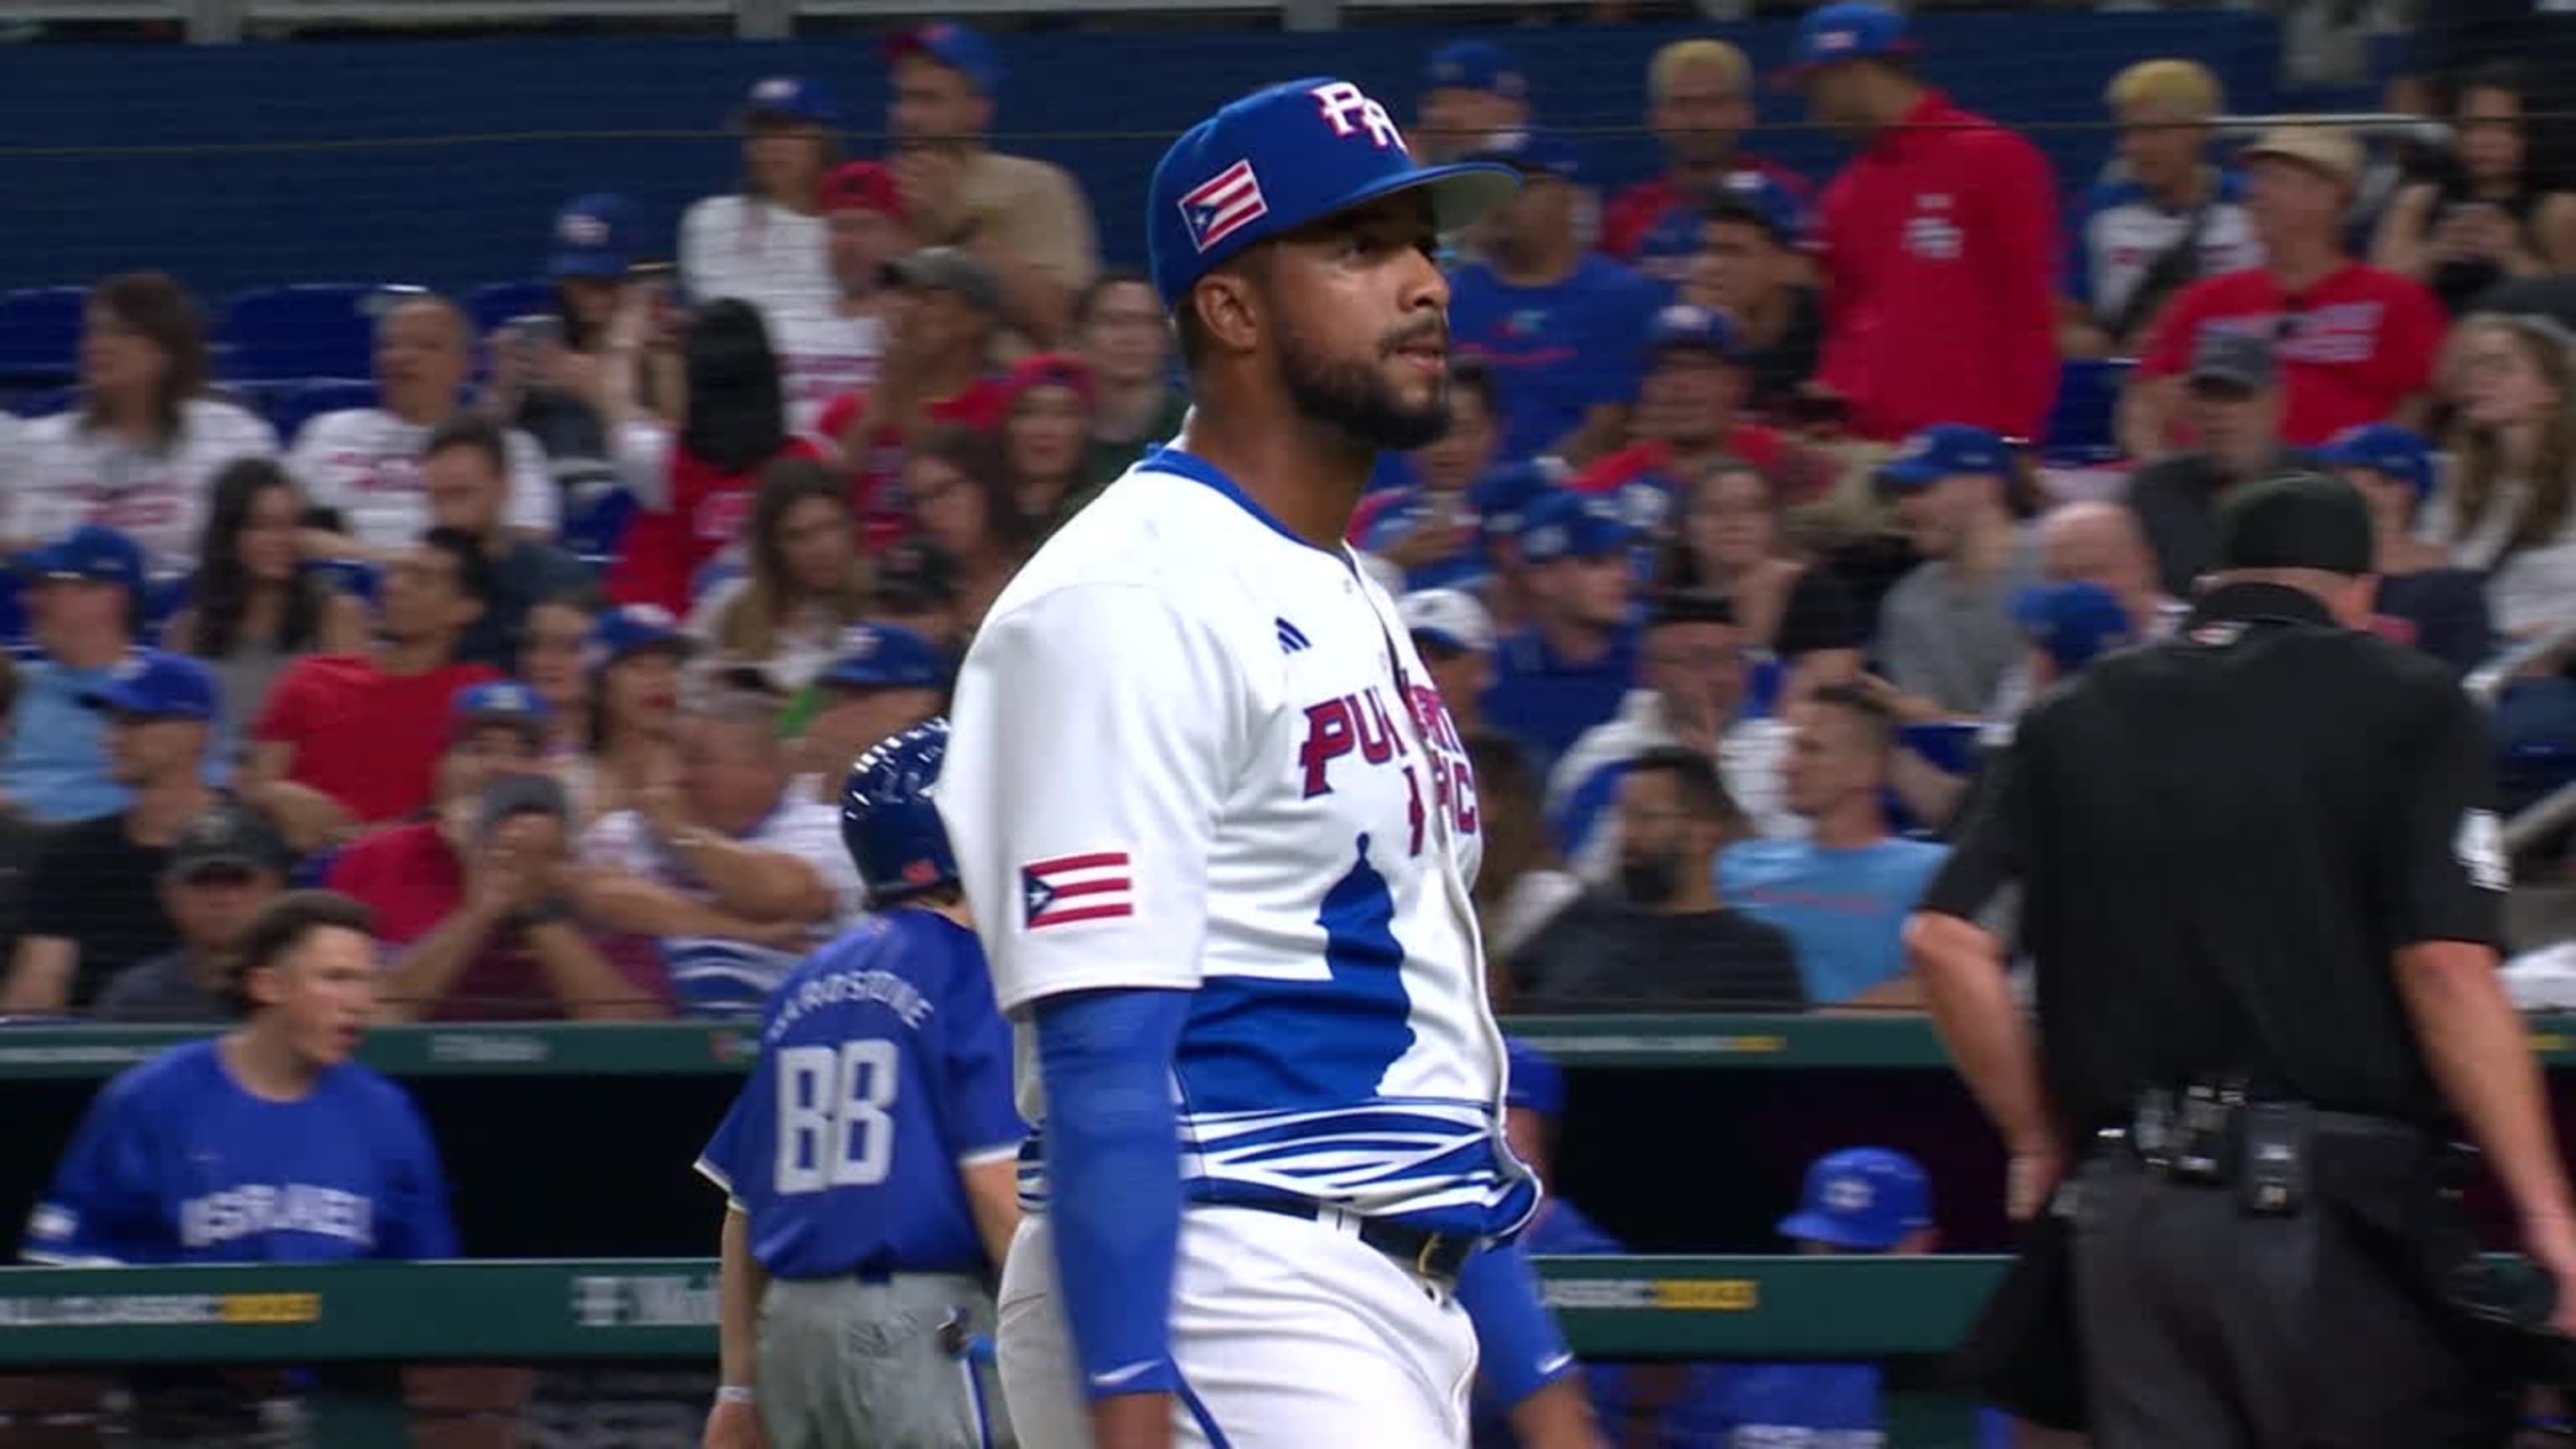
(1431, 1243)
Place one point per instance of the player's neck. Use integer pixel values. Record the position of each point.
(953, 912)
(1306, 477)
(263, 1063)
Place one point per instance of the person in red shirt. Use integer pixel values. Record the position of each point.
(355, 738)
(478, 897)
(938, 372)
(1700, 104)
(2355, 344)
(1938, 243)
(694, 484)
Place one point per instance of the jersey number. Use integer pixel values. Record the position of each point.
(833, 1126)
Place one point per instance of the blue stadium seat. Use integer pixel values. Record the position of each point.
(2088, 404)
(323, 329)
(494, 304)
(294, 404)
(44, 402)
(593, 528)
(40, 335)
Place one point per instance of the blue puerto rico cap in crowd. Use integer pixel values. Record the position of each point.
(498, 702)
(1535, 1082)
(2074, 622)
(1565, 524)
(1287, 157)
(1864, 1198)
(2400, 453)
(632, 630)
(789, 98)
(1505, 493)
(1944, 450)
(93, 553)
(594, 237)
(1533, 152)
(1846, 30)
(956, 47)
(884, 656)
(1689, 325)
(160, 685)
(1475, 65)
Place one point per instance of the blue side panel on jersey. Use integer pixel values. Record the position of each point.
(1198, 1411)
(1281, 1045)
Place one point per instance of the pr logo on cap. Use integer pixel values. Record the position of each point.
(1850, 1195)
(1833, 40)
(774, 90)
(1223, 205)
(580, 230)
(1348, 110)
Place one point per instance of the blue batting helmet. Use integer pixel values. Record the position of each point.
(888, 820)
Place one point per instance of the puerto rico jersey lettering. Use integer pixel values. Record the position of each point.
(1193, 752)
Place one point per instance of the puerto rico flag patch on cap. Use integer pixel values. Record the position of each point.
(1223, 204)
(1071, 889)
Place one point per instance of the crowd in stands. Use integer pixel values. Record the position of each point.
(1758, 522)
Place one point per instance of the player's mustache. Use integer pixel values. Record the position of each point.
(1435, 334)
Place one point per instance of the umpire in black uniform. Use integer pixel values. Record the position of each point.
(2261, 884)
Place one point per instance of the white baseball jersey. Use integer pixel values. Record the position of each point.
(61, 476)
(365, 462)
(1193, 752)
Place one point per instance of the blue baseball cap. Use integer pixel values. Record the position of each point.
(499, 702)
(1534, 153)
(2073, 622)
(634, 629)
(160, 685)
(93, 553)
(1562, 523)
(1286, 157)
(2400, 453)
(1685, 324)
(594, 237)
(1475, 65)
(1504, 494)
(884, 656)
(1847, 30)
(954, 46)
(1867, 1198)
(789, 98)
(1534, 1081)
(1944, 450)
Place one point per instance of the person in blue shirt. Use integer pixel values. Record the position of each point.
(1562, 327)
(1427, 524)
(264, 1145)
(1868, 1200)
(1573, 664)
(869, 1163)
(85, 598)
(1843, 892)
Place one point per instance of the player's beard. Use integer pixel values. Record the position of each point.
(1355, 399)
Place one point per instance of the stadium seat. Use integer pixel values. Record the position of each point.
(2088, 404)
(494, 304)
(292, 405)
(313, 330)
(40, 335)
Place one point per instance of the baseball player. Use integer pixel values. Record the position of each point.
(1220, 832)
(867, 1165)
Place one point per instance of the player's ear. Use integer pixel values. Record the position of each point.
(1228, 310)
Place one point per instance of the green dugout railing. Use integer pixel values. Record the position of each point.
(665, 1308)
(1699, 1043)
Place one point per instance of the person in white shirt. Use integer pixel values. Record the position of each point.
(364, 463)
(839, 349)
(141, 451)
(767, 244)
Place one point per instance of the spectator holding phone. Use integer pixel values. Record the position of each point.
(547, 368)
(478, 896)
(2487, 218)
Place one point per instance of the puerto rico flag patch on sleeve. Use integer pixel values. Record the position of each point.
(1070, 889)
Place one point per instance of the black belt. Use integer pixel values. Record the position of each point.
(1425, 1254)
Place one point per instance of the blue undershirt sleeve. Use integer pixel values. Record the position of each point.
(1518, 1347)
(1113, 1172)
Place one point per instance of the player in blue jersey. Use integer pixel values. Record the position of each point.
(1221, 835)
(264, 1145)
(868, 1164)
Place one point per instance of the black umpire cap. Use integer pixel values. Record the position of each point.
(2296, 521)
